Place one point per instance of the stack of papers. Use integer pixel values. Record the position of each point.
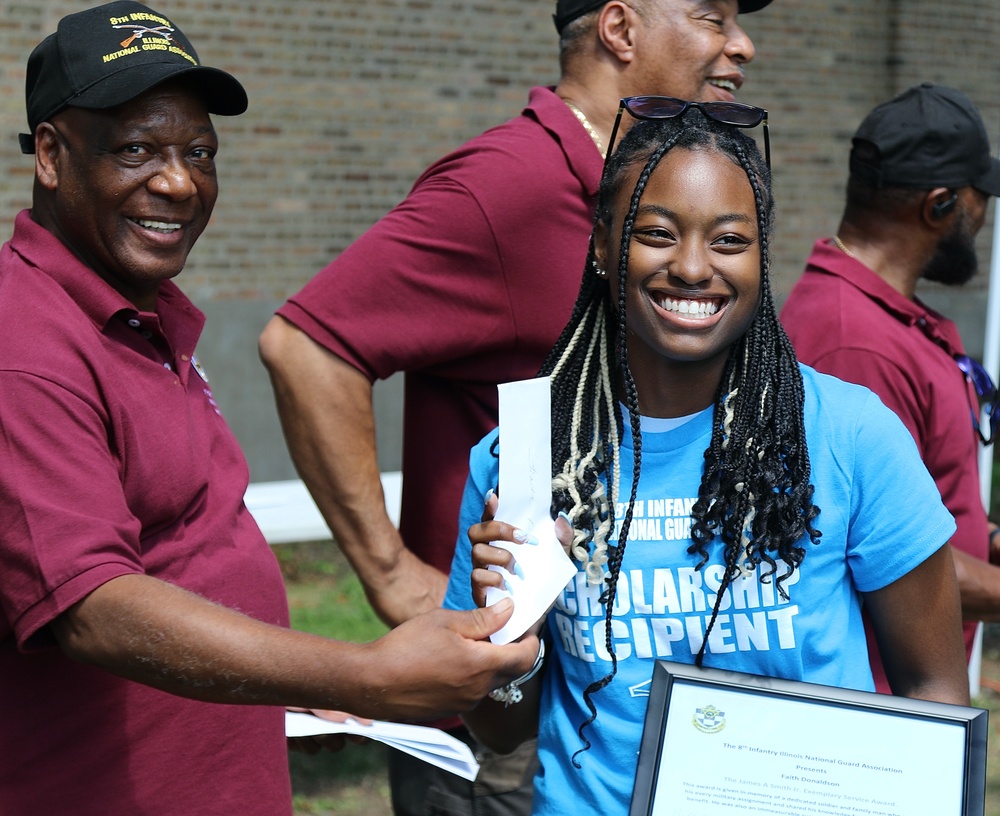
(429, 744)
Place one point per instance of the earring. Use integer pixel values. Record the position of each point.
(601, 273)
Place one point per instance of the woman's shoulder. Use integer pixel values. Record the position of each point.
(824, 392)
(826, 386)
(846, 410)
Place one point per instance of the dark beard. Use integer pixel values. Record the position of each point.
(954, 261)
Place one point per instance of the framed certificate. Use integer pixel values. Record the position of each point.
(718, 742)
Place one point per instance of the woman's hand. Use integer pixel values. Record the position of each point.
(485, 555)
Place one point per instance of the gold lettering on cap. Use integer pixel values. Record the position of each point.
(118, 54)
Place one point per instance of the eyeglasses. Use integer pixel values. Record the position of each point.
(667, 107)
(986, 390)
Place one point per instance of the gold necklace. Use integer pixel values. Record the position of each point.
(582, 117)
(843, 248)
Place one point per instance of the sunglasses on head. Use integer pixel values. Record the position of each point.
(986, 390)
(667, 107)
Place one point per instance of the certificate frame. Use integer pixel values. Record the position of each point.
(673, 680)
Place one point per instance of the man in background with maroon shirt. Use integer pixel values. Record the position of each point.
(921, 175)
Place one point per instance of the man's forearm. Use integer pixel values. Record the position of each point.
(979, 586)
(325, 406)
(155, 633)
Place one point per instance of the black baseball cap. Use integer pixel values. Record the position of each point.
(568, 10)
(927, 136)
(107, 55)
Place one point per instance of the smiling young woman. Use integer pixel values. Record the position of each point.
(705, 528)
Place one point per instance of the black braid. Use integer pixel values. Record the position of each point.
(632, 404)
(776, 481)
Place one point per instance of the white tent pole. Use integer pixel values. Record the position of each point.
(991, 362)
(991, 349)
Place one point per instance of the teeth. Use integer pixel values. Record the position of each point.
(159, 226)
(725, 84)
(692, 308)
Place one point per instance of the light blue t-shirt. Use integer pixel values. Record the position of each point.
(880, 516)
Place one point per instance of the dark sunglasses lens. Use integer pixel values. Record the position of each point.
(733, 113)
(655, 107)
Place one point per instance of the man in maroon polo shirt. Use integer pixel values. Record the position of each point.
(466, 284)
(144, 655)
(921, 174)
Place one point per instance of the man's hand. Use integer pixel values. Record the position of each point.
(979, 585)
(439, 663)
(409, 588)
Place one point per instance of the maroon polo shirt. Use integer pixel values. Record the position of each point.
(115, 460)
(465, 284)
(844, 320)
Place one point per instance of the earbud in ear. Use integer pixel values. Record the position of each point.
(942, 208)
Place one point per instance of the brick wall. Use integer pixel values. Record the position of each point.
(821, 66)
(350, 101)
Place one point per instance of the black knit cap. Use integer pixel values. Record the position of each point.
(105, 56)
(568, 10)
(927, 136)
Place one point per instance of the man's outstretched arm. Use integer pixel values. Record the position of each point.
(158, 634)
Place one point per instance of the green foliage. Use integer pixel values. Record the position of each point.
(351, 781)
(989, 698)
(995, 486)
(326, 598)
(324, 595)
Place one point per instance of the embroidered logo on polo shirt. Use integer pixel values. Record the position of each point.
(206, 391)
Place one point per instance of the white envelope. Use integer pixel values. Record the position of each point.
(525, 498)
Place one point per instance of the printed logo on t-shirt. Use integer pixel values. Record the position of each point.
(662, 612)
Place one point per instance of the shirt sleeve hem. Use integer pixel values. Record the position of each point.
(896, 571)
(30, 629)
(299, 317)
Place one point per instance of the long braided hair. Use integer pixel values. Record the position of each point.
(755, 493)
